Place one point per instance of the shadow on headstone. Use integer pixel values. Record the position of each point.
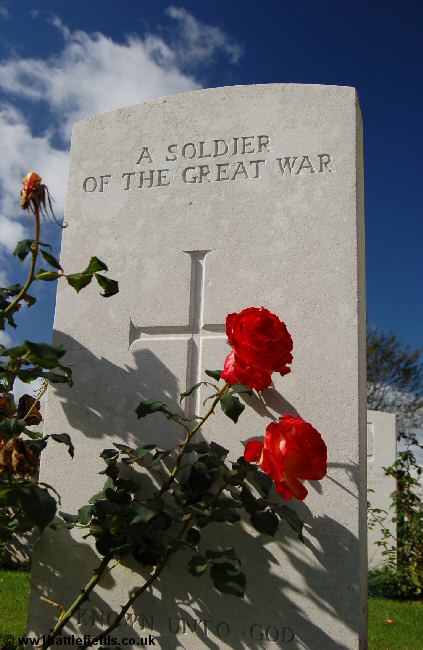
(181, 605)
(104, 397)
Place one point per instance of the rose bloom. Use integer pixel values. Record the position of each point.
(292, 450)
(261, 344)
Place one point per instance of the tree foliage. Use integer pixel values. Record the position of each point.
(394, 377)
(395, 385)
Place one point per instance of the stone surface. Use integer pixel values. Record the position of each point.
(381, 452)
(249, 195)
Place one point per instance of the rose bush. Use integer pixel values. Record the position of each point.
(261, 345)
(292, 450)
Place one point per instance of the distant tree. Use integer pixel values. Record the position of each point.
(395, 384)
(394, 378)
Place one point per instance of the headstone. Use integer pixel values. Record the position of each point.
(381, 452)
(203, 204)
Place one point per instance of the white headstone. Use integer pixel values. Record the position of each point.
(381, 452)
(202, 204)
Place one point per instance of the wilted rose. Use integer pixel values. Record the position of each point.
(17, 457)
(26, 403)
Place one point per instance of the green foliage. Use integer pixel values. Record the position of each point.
(395, 384)
(25, 504)
(232, 407)
(80, 280)
(394, 377)
(402, 575)
(198, 487)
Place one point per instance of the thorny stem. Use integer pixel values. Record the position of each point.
(186, 525)
(34, 254)
(83, 596)
(139, 591)
(64, 618)
(190, 434)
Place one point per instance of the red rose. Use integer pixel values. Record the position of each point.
(261, 344)
(236, 372)
(292, 450)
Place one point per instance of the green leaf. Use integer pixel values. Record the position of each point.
(198, 565)
(232, 407)
(215, 374)
(144, 512)
(158, 457)
(66, 440)
(265, 522)
(78, 280)
(125, 448)
(262, 481)
(22, 249)
(148, 407)
(84, 515)
(190, 391)
(45, 351)
(35, 438)
(15, 352)
(109, 454)
(199, 447)
(50, 259)
(110, 287)
(121, 497)
(142, 451)
(55, 377)
(103, 508)
(94, 266)
(291, 517)
(228, 553)
(37, 444)
(249, 501)
(228, 579)
(70, 519)
(12, 428)
(46, 276)
(225, 514)
(38, 505)
(218, 450)
(241, 388)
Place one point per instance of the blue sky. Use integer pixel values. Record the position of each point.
(61, 61)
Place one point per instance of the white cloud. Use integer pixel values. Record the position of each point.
(91, 74)
(198, 42)
(4, 13)
(10, 232)
(94, 74)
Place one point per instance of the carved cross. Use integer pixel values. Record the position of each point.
(195, 332)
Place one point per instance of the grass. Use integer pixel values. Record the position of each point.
(14, 594)
(406, 630)
(404, 633)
